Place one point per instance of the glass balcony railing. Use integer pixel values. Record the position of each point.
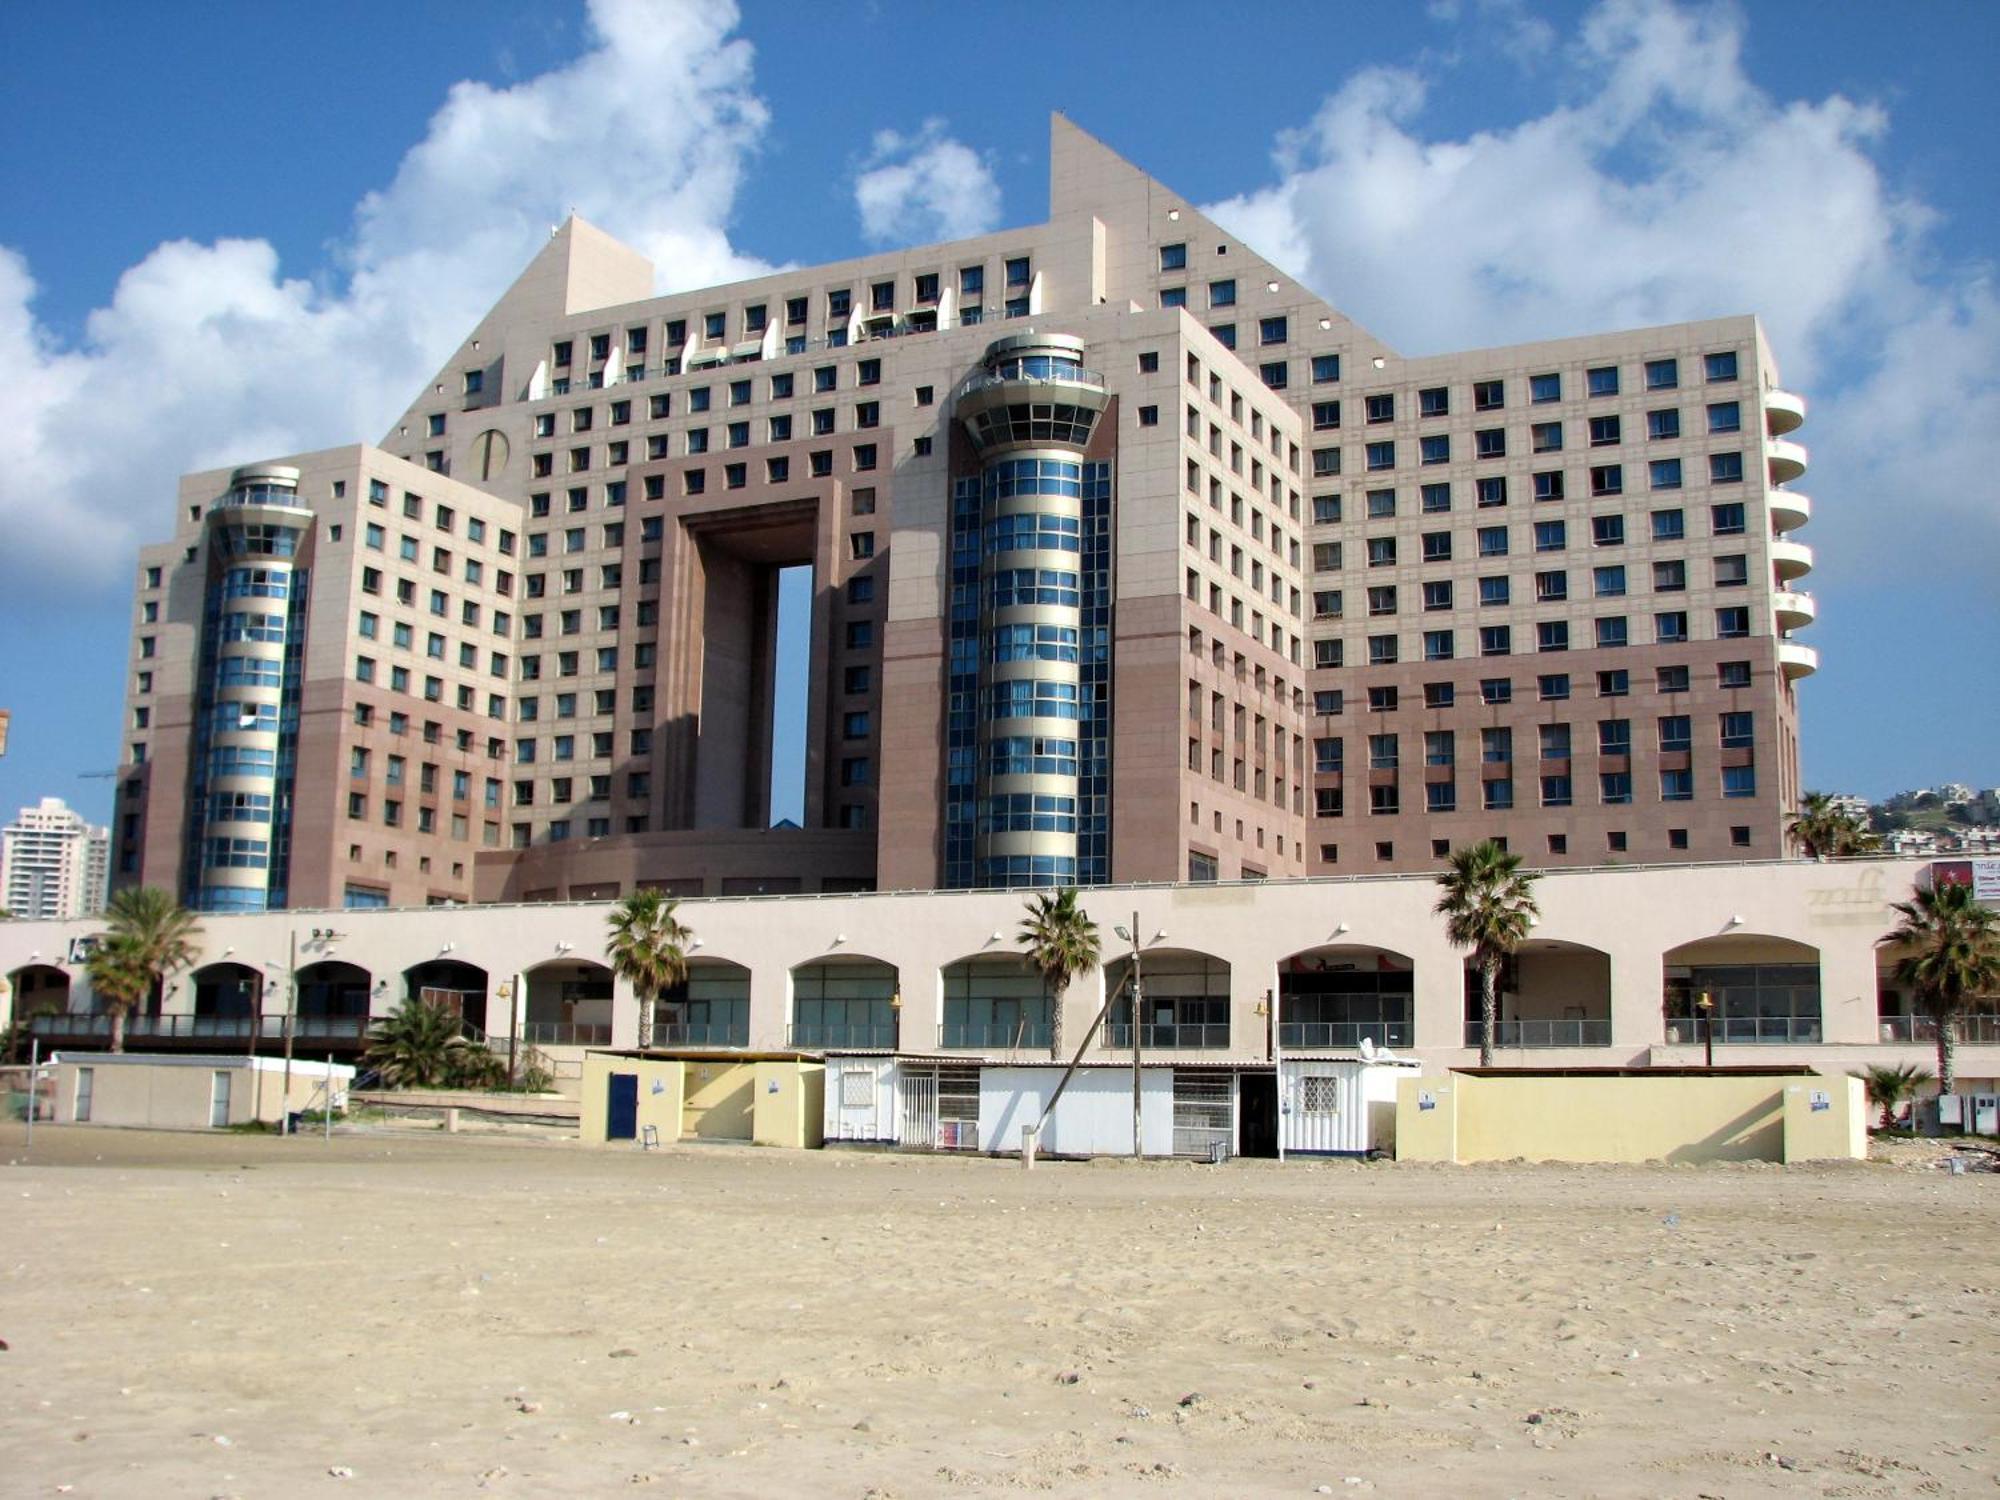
(841, 1035)
(993, 1036)
(1554, 1033)
(1979, 1031)
(701, 1034)
(1171, 1038)
(1345, 1036)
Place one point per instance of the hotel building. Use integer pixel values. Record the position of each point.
(1131, 559)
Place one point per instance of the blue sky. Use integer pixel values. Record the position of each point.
(251, 228)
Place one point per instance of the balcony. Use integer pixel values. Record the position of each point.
(1790, 559)
(992, 1036)
(1786, 458)
(1784, 411)
(1344, 1036)
(1793, 609)
(1169, 1038)
(843, 1036)
(1689, 1031)
(566, 1033)
(1976, 1031)
(1796, 660)
(1551, 1033)
(702, 1034)
(1789, 509)
(232, 1031)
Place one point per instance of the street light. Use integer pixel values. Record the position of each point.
(1131, 935)
(1706, 1005)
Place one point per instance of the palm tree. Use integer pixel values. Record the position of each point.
(1889, 1087)
(1061, 940)
(119, 980)
(420, 1045)
(1488, 906)
(648, 950)
(148, 935)
(1824, 831)
(1951, 960)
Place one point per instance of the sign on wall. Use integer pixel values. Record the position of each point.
(1983, 875)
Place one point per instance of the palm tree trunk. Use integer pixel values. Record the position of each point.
(117, 1028)
(1055, 1022)
(1488, 1011)
(1947, 1049)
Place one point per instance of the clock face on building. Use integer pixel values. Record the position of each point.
(489, 453)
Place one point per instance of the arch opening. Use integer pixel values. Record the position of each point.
(458, 987)
(710, 1008)
(568, 1004)
(1549, 994)
(995, 1002)
(1341, 995)
(1183, 1004)
(1762, 990)
(847, 1004)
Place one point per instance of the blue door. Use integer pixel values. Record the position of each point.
(621, 1117)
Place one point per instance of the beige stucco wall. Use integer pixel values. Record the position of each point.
(661, 1110)
(791, 1104)
(1628, 1118)
(175, 1095)
(1636, 916)
(720, 1099)
(1826, 1118)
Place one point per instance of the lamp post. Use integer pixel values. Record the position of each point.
(1138, 994)
(1706, 1005)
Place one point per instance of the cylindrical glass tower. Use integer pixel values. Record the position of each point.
(247, 703)
(1030, 415)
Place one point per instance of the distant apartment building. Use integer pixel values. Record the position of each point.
(1132, 560)
(53, 864)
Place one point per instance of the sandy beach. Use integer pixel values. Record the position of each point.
(400, 1314)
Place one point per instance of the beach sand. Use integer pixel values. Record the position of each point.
(399, 1313)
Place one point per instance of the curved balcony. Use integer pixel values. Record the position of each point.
(1794, 609)
(1789, 509)
(1796, 660)
(1790, 559)
(1784, 411)
(1787, 459)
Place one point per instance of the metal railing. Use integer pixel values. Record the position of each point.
(701, 1034)
(567, 1033)
(1345, 1035)
(873, 1036)
(184, 1028)
(1753, 1030)
(1977, 1030)
(1171, 1038)
(1550, 1033)
(987, 380)
(993, 1035)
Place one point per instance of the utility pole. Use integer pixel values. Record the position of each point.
(291, 1009)
(1138, 1031)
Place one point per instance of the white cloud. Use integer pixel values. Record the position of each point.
(916, 188)
(1670, 186)
(210, 354)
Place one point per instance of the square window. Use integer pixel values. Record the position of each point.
(1271, 330)
(1603, 381)
(1434, 402)
(1722, 366)
(1496, 690)
(1173, 257)
(1325, 368)
(1543, 389)
(1222, 293)
(1662, 374)
(1489, 395)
